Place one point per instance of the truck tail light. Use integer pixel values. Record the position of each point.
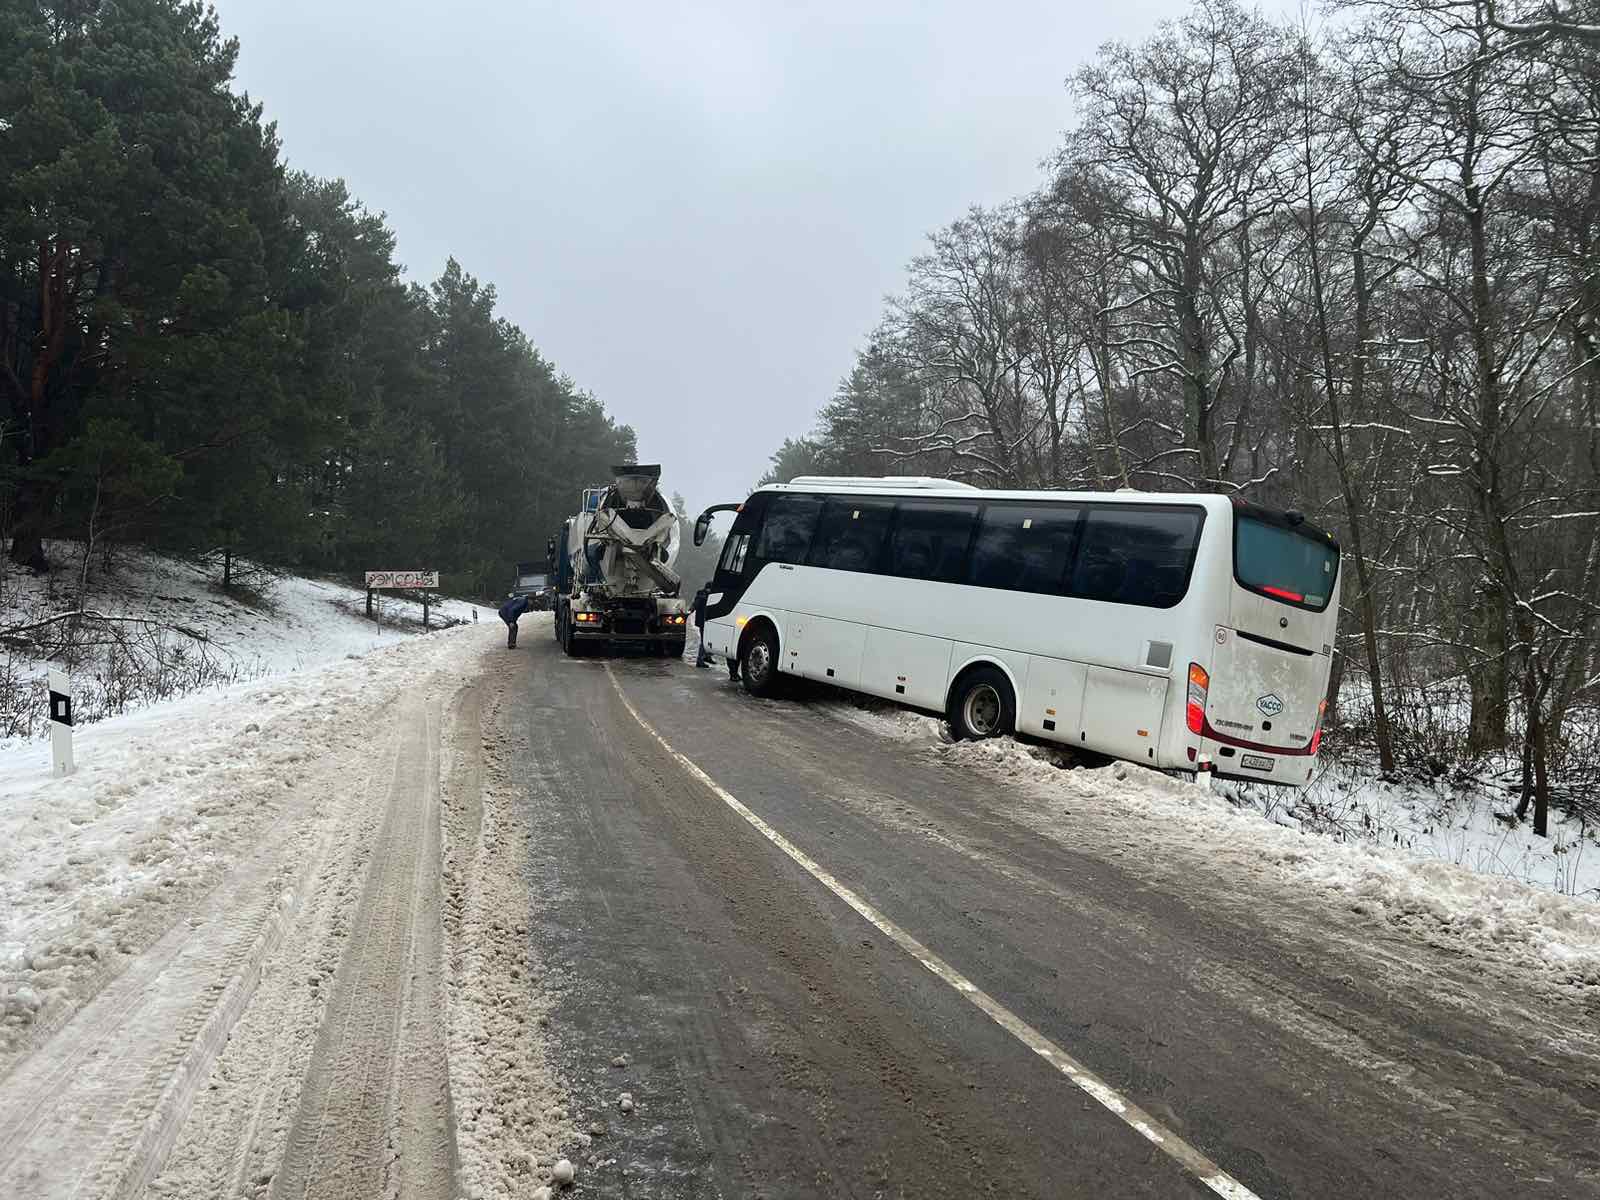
(1199, 685)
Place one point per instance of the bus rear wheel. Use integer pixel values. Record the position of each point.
(982, 705)
(758, 662)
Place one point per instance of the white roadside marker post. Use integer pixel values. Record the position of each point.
(61, 721)
(1205, 773)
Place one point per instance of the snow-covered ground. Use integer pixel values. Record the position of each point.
(1484, 890)
(207, 637)
(1438, 820)
(199, 930)
(162, 802)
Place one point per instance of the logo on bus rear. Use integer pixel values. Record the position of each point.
(1270, 705)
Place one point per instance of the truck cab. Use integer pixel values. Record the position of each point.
(532, 581)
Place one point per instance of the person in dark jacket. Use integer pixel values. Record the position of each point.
(509, 612)
(702, 659)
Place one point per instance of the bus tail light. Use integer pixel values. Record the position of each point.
(1199, 684)
(1316, 736)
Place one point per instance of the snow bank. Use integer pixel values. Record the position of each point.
(95, 865)
(1439, 821)
(297, 623)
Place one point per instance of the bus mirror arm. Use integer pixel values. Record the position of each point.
(702, 524)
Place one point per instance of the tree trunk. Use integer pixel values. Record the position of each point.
(1347, 484)
(27, 530)
(1489, 684)
(1197, 366)
(1536, 746)
(27, 550)
(40, 432)
(1541, 777)
(1486, 679)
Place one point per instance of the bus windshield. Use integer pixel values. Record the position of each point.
(1286, 564)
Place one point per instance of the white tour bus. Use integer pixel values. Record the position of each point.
(1165, 629)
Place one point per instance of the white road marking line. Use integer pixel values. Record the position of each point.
(1141, 1122)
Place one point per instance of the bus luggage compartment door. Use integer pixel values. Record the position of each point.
(909, 667)
(1122, 713)
(830, 650)
(792, 643)
(1052, 699)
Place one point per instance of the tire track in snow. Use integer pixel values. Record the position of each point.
(374, 1115)
(95, 1108)
(185, 1075)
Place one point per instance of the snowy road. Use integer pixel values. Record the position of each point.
(294, 894)
(781, 1045)
(411, 924)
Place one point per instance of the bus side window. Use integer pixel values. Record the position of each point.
(930, 541)
(1136, 555)
(786, 533)
(733, 555)
(850, 535)
(1024, 547)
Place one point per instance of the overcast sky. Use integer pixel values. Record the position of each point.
(693, 210)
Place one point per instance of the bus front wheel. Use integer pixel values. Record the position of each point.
(758, 662)
(982, 705)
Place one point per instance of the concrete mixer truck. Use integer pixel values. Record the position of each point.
(612, 564)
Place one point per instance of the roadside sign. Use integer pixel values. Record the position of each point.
(402, 579)
(61, 721)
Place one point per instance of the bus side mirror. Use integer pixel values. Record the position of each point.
(702, 524)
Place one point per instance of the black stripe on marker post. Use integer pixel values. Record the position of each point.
(61, 708)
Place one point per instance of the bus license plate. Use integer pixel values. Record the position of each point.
(1254, 762)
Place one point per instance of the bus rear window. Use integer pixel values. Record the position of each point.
(1287, 565)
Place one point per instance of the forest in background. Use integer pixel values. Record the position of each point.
(1349, 271)
(207, 353)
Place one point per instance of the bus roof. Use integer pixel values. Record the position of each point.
(925, 488)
